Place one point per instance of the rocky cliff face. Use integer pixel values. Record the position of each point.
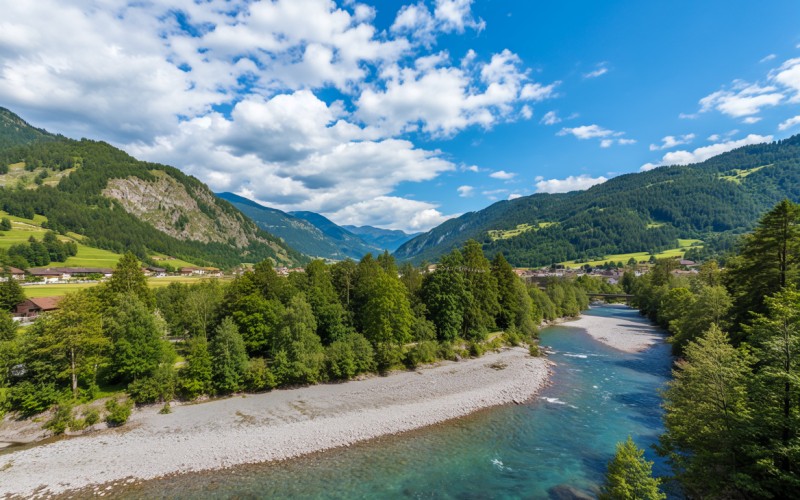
(185, 213)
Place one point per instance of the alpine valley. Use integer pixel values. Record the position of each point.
(641, 212)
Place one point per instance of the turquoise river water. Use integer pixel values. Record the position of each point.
(556, 446)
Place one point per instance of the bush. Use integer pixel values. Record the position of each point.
(118, 413)
(154, 389)
(476, 349)
(535, 350)
(91, 416)
(424, 352)
(349, 356)
(30, 398)
(388, 355)
(258, 376)
(61, 420)
(512, 336)
(446, 351)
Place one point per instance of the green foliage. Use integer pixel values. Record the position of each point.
(775, 390)
(11, 294)
(66, 346)
(258, 377)
(482, 304)
(425, 351)
(303, 354)
(195, 378)
(77, 204)
(445, 294)
(386, 316)
(709, 306)
(708, 417)
(138, 339)
(61, 420)
(630, 476)
(91, 416)
(30, 398)
(768, 262)
(229, 358)
(128, 279)
(118, 413)
(157, 387)
(349, 356)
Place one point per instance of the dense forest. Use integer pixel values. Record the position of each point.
(260, 330)
(77, 204)
(645, 211)
(732, 415)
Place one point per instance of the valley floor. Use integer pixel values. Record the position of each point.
(273, 426)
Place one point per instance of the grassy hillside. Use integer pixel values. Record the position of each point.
(119, 203)
(642, 212)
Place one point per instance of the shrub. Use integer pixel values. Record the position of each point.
(446, 351)
(535, 350)
(156, 388)
(258, 376)
(512, 336)
(30, 398)
(91, 416)
(349, 356)
(424, 352)
(118, 413)
(388, 355)
(476, 349)
(61, 420)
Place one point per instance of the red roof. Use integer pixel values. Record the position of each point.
(46, 303)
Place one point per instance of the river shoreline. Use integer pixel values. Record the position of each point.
(620, 333)
(274, 426)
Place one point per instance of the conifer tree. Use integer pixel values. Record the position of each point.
(630, 476)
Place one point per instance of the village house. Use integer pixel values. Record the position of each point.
(154, 272)
(57, 274)
(13, 272)
(31, 308)
(46, 275)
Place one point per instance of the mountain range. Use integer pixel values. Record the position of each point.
(317, 236)
(118, 203)
(647, 211)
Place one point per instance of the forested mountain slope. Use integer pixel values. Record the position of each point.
(120, 203)
(645, 211)
(334, 243)
(349, 243)
(389, 239)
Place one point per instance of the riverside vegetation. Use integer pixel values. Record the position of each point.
(732, 418)
(260, 331)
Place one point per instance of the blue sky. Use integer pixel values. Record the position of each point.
(401, 114)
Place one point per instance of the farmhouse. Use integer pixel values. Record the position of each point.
(31, 308)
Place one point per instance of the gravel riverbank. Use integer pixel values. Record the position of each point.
(629, 335)
(273, 426)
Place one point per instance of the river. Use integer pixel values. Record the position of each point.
(556, 446)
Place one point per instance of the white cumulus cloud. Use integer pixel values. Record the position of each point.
(550, 118)
(571, 183)
(672, 141)
(503, 175)
(703, 153)
(465, 191)
(789, 123)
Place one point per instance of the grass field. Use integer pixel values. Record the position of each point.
(504, 234)
(22, 229)
(639, 256)
(59, 289)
